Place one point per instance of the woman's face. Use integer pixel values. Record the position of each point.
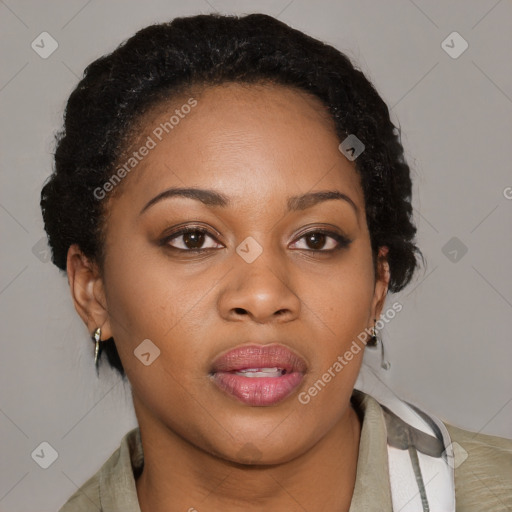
(256, 281)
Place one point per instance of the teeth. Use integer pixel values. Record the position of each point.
(261, 372)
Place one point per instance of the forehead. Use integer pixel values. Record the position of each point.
(242, 139)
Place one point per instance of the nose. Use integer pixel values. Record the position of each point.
(261, 291)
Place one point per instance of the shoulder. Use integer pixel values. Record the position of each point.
(483, 471)
(113, 486)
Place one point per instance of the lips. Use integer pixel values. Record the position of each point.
(258, 375)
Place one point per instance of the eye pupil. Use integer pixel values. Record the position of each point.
(193, 239)
(318, 240)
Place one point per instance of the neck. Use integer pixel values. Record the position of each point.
(179, 476)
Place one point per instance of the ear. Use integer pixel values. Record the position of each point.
(87, 291)
(381, 283)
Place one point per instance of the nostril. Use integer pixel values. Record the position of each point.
(240, 311)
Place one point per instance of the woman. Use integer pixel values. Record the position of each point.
(231, 204)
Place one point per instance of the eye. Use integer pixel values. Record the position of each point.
(198, 239)
(191, 239)
(322, 240)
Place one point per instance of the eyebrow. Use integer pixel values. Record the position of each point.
(213, 198)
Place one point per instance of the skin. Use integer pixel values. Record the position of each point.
(257, 145)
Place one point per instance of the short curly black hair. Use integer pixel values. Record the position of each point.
(166, 59)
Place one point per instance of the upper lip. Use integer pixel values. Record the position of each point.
(259, 356)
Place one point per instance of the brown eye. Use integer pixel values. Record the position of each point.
(192, 240)
(315, 241)
(323, 241)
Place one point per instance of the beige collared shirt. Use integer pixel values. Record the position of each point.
(483, 482)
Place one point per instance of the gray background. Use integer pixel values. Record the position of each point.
(450, 346)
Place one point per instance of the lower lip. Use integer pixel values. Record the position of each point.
(258, 391)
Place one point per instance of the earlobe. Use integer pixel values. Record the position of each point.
(86, 289)
(382, 282)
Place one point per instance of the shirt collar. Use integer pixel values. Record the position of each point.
(117, 489)
(372, 491)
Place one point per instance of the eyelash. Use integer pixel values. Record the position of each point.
(342, 241)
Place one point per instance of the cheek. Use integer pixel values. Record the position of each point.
(340, 299)
(147, 298)
(339, 309)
